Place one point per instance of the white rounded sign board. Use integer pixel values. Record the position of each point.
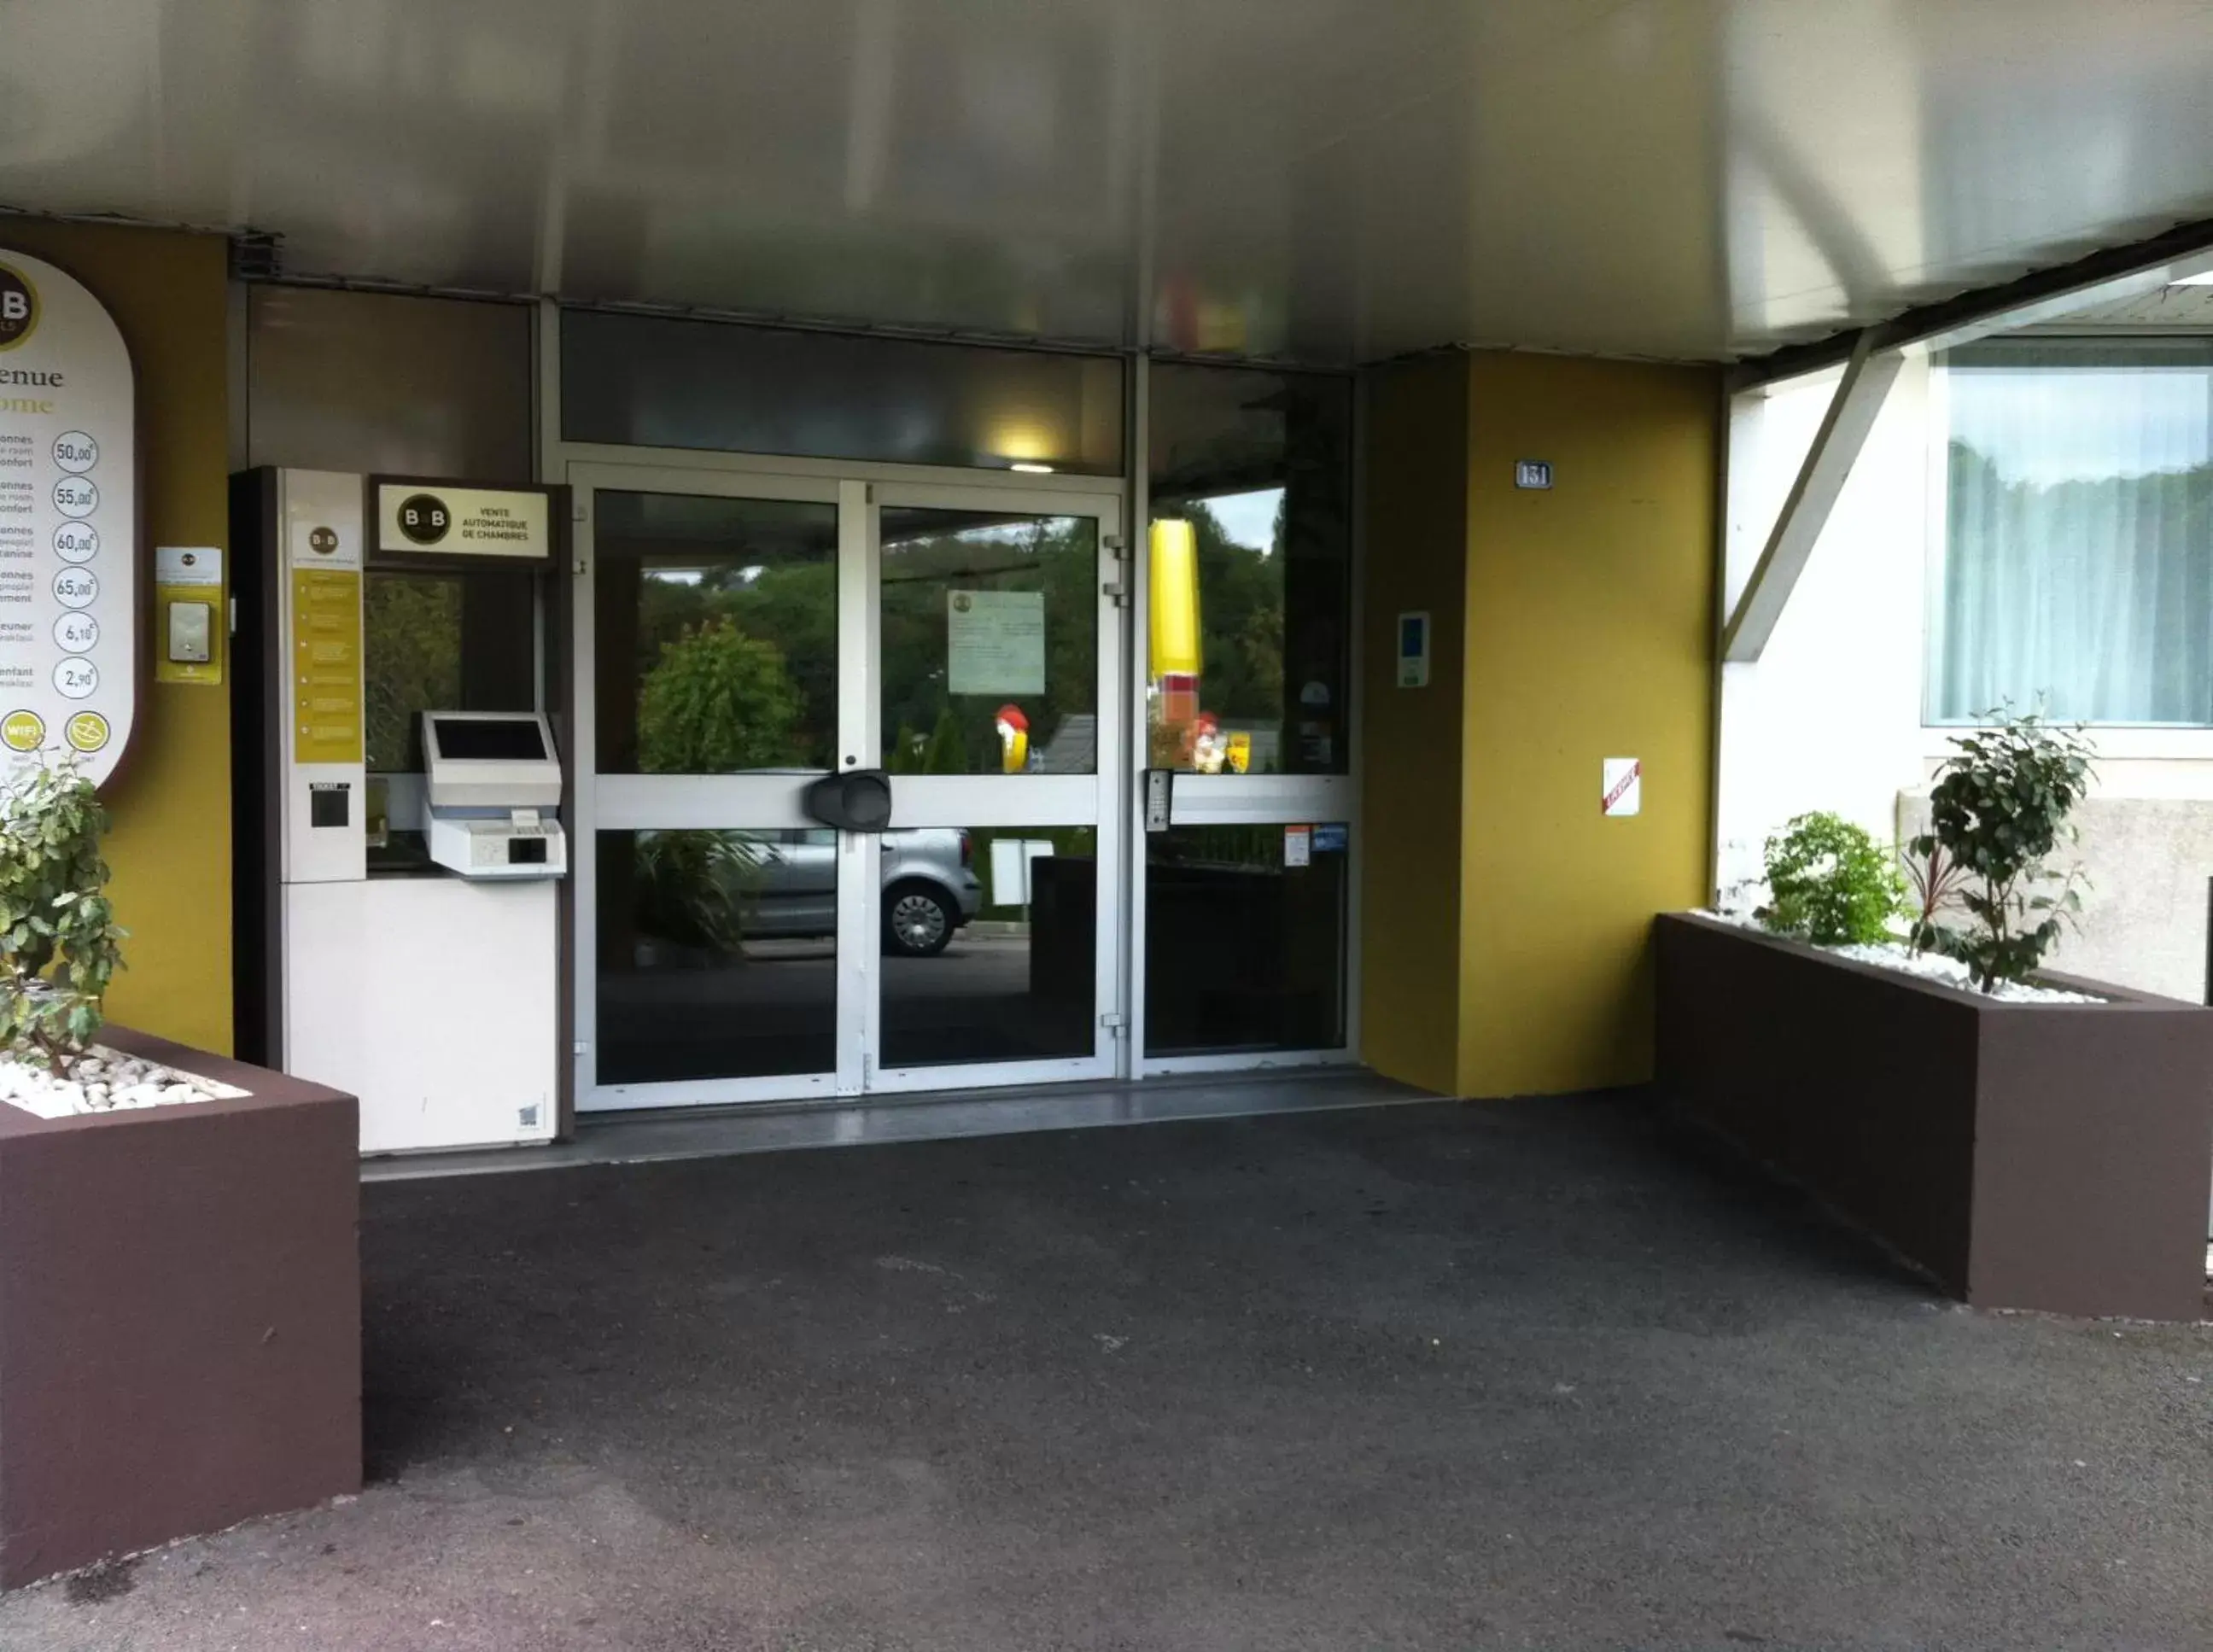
(69, 523)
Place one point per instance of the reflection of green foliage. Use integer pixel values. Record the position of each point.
(1260, 648)
(942, 751)
(1245, 848)
(717, 701)
(693, 886)
(1241, 624)
(944, 754)
(1056, 555)
(793, 605)
(796, 607)
(791, 609)
(411, 635)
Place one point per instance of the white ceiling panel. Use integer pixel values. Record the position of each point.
(1328, 179)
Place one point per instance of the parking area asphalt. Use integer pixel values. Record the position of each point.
(1540, 1374)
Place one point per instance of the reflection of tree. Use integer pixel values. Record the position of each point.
(411, 627)
(696, 888)
(1058, 556)
(940, 751)
(791, 608)
(794, 605)
(716, 702)
(1240, 619)
(1260, 652)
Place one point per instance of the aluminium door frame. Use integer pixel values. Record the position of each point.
(1029, 800)
(677, 802)
(554, 456)
(768, 801)
(1242, 800)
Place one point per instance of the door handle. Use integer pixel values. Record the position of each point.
(859, 800)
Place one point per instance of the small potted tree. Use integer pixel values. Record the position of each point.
(2028, 1141)
(180, 1274)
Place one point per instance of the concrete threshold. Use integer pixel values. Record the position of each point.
(712, 1132)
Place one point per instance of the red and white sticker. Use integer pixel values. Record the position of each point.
(1623, 789)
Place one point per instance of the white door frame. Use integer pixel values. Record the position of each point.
(765, 802)
(992, 801)
(760, 802)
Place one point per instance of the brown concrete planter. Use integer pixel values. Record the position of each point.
(2026, 1155)
(180, 1315)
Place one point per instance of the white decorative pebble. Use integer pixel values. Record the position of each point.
(1929, 965)
(103, 1081)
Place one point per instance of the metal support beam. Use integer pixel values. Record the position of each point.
(1868, 376)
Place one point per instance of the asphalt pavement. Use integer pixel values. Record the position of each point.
(1525, 1374)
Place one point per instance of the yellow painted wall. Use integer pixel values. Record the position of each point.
(170, 844)
(1416, 539)
(1589, 634)
(1504, 919)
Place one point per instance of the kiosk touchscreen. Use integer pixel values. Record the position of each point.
(400, 778)
(491, 785)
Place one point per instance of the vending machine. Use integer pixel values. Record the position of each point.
(401, 796)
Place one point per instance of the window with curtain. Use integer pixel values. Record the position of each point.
(2077, 572)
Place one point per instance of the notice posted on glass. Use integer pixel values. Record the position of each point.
(995, 642)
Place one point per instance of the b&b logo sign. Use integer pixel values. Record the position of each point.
(424, 518)
(19, 308)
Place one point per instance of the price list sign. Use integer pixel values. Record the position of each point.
(69, 561)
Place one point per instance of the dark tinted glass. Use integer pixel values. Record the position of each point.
(990, 944)
(715, 633)
(653, 382)
(465, 739)
(443, 642)
(389, 382)
(990, 643)
(718, 955)
(1251, 620)
(1245, 944)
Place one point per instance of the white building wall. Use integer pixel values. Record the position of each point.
(1830, 716)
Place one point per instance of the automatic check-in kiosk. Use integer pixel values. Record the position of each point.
(492, 794)
(400, 790)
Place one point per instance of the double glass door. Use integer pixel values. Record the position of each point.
(739, 635)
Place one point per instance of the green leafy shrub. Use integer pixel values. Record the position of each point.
(717, 701)
(1830, 882)
(59, 942)
(1996, 811)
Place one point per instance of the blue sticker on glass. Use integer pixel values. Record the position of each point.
(1329, 839)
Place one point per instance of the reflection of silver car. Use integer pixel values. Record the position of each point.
(929, 890)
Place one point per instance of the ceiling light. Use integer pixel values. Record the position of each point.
(1030, 467)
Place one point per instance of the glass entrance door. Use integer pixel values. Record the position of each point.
(998, 653)
(741, 634)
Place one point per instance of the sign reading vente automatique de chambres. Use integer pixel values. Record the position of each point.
(69, 511)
